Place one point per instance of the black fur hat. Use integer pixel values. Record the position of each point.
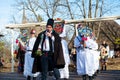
(50, 22)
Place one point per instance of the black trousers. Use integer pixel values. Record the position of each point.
(46, 64)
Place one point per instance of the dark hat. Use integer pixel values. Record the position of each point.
(50, 22)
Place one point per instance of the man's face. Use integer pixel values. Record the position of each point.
(49, 28)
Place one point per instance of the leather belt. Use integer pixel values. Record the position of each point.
(88, 48)
(29, 50)
(47, 52)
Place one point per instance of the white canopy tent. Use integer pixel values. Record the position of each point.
(28, 25)
(25, 25)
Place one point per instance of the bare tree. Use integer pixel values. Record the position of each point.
(31, 9)
(58, 8)
(74, 9)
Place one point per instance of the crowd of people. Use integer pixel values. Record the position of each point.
(49, 52)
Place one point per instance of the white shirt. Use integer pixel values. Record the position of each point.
(30, 43)
(46, 44)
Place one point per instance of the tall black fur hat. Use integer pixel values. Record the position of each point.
(50, 22)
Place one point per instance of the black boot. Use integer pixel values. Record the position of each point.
(98, 71)
(56, 74)
(94, 75)
(102, 68)
(28, 78)
(91, 78)
(34, 78)
(84, 77)
(105, 67)
(51, 73)
(66, 79)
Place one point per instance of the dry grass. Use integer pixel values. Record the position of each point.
(7, 67)
(113, 64)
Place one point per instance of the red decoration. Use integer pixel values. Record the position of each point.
(58, 28)
(17, 41)
(84, 38)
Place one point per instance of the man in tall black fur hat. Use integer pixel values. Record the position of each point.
(48, 46)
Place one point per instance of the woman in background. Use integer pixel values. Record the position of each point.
(28, 59)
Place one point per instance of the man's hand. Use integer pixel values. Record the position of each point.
(48, 34)
(83, 43)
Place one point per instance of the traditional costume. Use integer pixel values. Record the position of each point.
(50, 56)
(86, 49)
(92, 47)
(20, 41)
(28, 65)
(104, 55)
(64, 72)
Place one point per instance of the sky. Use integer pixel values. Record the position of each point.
(6, 11)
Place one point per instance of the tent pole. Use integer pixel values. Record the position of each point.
(76, 29)
(12, 54)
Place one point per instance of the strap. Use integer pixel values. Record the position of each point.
(43, 41)
(50, 42)
(78, 39)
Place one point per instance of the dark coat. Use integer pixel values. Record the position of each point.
(57, 55)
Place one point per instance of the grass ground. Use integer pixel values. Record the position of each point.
(113, 64)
